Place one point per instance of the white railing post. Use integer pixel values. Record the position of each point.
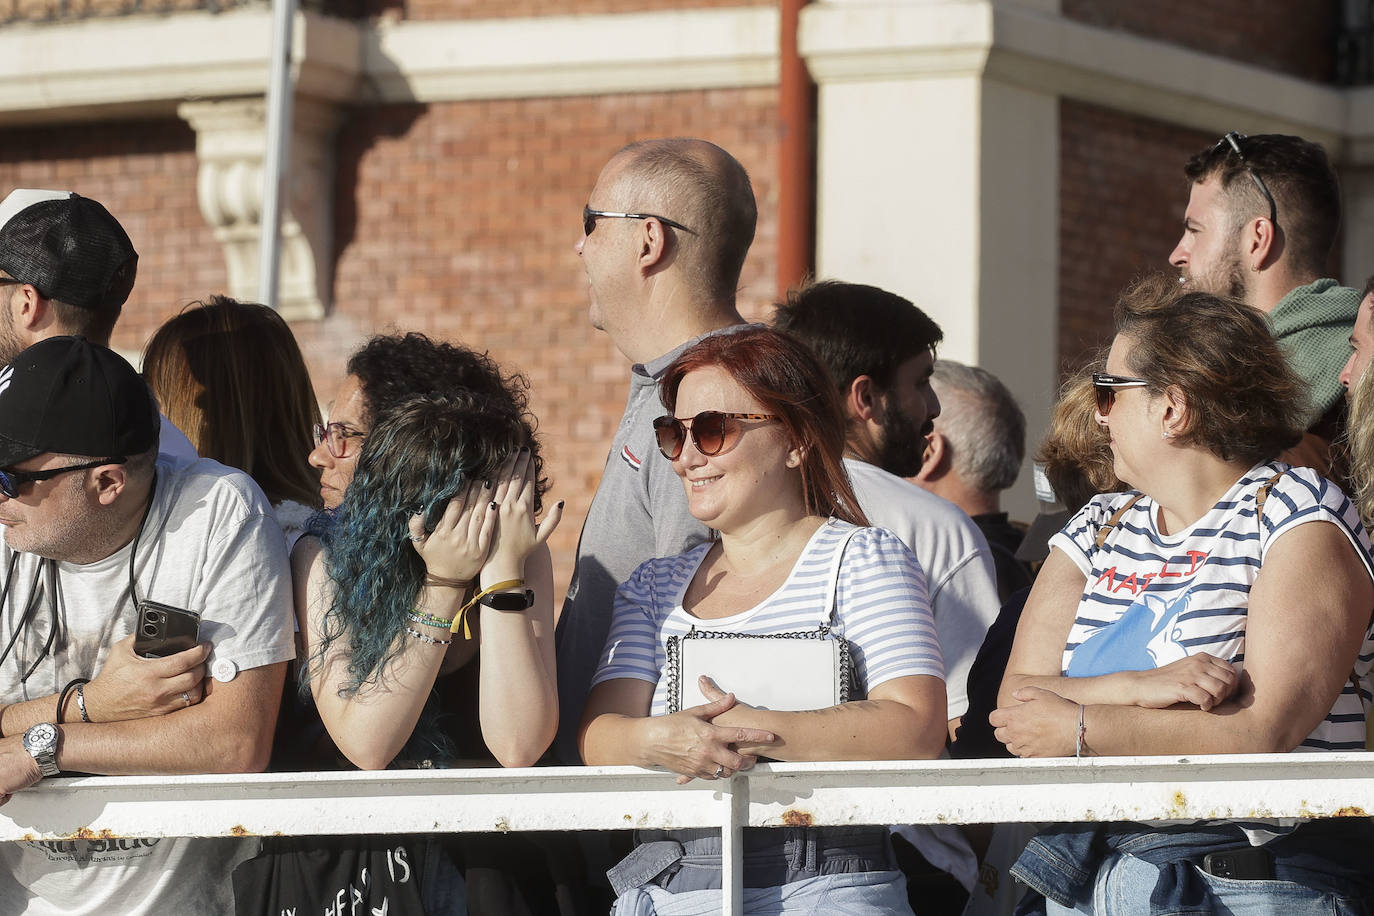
(736, 808)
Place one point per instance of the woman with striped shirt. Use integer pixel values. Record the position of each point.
(756, 433)
(1221, 606)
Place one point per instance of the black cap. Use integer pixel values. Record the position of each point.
(68, 395)
(67, 246)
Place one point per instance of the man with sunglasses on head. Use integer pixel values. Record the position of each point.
(100, 540)
(1262, 218)
(664, 235)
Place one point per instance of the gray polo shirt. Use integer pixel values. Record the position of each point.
(639, 512)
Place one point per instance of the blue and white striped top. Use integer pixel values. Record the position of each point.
(1152, 599)
(881, 607)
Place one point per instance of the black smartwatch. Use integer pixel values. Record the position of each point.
(510, 601)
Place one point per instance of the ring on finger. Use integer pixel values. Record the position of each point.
(417, 538)
(720, 768)
(186, 696)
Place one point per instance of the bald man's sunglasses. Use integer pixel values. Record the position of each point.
(590, 216)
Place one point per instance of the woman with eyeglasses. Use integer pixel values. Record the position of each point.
(756, 433)
(352, 648)
(1222, 606)
(424, 596)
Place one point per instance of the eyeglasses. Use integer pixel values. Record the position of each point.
(11, 481)
(712, 431)
(335, 437)
(1233, 140)
(590, 216)
(1105, 385)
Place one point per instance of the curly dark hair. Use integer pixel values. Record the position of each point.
(394, 368)
(418, 456)
(1245, 402)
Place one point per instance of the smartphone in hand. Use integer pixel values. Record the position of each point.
(164, 630)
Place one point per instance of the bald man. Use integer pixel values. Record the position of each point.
(665, 233)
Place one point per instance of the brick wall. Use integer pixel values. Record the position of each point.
(459, 220)
(504, 9)
(1122, 197)
(1291, 36)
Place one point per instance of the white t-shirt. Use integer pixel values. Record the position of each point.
(211, 544)
(880, 607)
(1151, 599)
(954, 554)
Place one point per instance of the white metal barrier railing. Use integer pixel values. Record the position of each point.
(771, 795)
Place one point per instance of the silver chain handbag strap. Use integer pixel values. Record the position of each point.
(673, 648)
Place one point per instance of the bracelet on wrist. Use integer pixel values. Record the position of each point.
(428, 640)
(81, 702)
(442, 582)
(66, 692)
(462, 617)
(429, 620)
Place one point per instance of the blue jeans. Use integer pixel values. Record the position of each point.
(1124, 883)
(873, 893)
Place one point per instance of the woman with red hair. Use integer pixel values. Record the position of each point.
(755, 430)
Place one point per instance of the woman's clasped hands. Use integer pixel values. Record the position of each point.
(690, 744)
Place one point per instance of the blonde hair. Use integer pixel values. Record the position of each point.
(1360, 442)
(1076, 455)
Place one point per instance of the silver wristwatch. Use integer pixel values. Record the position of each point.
(41, 743)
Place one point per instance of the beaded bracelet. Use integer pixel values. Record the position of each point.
(411, 631)
(429, 620)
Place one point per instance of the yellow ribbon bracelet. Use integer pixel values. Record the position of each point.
(462, 617)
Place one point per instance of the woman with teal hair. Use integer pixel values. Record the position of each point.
(422, 566)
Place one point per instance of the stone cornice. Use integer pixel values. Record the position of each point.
(1040, 50)
(572, 55)
(140, 65)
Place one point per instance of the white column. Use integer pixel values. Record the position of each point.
(940, 183)
(230, 144)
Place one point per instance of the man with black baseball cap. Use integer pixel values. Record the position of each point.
(66, 267)
(71, 263)
(93, 526)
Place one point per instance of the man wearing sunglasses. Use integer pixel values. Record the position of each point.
(665, 232)
(1262, 217)
(96, 534)
(66, 267)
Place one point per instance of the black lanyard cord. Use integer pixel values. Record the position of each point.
(24, 618)
(50, 567)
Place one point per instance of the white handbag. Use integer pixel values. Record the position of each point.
(789, 672)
